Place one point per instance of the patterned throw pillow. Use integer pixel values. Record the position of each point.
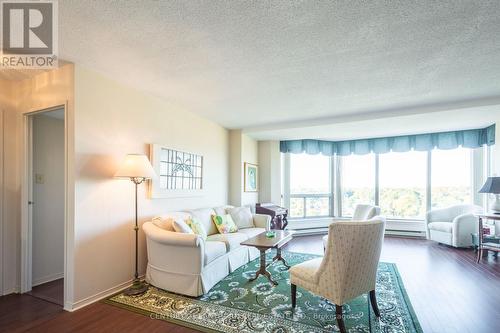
(224, 223)
(197, 227)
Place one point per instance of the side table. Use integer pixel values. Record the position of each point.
(490, 246)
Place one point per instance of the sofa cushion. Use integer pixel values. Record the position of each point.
(214, 250)
(232, 241)
(204, 215)
(165, 221)
(222, 210)
(252, 232)
(441, 226)
(242, 216)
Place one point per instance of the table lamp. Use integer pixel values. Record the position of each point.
(138, 169)
(492, 186)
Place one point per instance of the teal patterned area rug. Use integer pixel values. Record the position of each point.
(236, 305)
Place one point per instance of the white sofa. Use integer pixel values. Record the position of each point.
(453, 225)
(188, 265)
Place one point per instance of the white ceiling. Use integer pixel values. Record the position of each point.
(246, 64)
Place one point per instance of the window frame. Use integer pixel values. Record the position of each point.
(479, 172)
(288, 195)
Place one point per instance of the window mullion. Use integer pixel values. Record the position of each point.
(428, 200)
(377, 180)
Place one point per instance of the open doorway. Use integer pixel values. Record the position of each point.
(46, 217)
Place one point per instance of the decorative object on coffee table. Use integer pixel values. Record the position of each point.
(263, 243)
(492, 186)
(138, 169)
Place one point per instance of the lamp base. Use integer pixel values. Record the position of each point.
(138, 287)
(495, 205)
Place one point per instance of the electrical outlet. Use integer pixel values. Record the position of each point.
(39, 179)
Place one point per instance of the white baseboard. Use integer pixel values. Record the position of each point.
(14, 290)
(47, 278)
(97, 297)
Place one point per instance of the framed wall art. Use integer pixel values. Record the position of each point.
(180, 173)
(251, 177)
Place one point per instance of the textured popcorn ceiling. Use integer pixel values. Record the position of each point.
(252, 63)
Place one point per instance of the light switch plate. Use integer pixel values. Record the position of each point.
(39, 179)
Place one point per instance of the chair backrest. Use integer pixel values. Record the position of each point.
(365, 212)
(349, 267)
(449, 213)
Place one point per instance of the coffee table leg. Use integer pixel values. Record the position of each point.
(262, 270)
(278, 257)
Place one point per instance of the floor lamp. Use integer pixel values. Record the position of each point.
(138, 169)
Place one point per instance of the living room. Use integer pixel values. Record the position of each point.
(372, 126)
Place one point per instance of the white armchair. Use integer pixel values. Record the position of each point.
(453, 225)
(348, 269)
(362, 212)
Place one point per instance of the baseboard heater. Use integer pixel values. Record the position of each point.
(405, 233)
(324, 231)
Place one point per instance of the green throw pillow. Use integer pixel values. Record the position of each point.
(224, 223)
(197, 227)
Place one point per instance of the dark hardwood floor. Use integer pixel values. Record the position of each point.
(448, 290)
(51, 291)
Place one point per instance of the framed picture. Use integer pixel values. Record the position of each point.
(180, 173)
(251, 177)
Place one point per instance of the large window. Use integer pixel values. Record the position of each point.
(357, 181)
(310, 185)
(403, 184)
(451, 177)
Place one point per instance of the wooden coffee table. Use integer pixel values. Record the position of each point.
(263, 243)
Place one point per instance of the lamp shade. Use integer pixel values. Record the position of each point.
(492, 185)
(136, 166)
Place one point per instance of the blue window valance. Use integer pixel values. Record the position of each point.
(473, 138)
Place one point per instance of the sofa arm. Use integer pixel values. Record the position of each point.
(166, 237)
(172, 252)
(262, 221)
(463, 226)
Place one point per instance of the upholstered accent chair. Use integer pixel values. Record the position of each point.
(349, 267)
(453, 225)
(362, 212)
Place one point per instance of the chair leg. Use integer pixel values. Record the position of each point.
(294, 295)
(340, 318)
(373, 301)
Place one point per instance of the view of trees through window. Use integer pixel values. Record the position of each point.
(451, 177)
(402, 182)
(310, 185)
(357, 181)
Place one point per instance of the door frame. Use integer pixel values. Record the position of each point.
(27, 196)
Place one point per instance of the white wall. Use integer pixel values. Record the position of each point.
(270, 172)
(45, 90)
(48, 195)
(242, 149)
(112, 120)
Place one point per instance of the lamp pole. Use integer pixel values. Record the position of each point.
(138, 287)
